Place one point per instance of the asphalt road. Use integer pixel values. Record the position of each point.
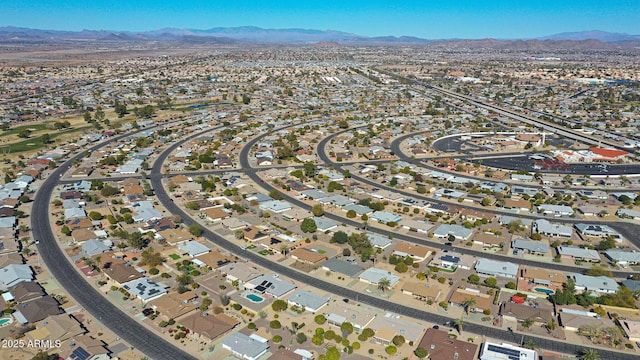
(386, 305)
(130, 330)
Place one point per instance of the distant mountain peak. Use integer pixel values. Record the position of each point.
(603, 36)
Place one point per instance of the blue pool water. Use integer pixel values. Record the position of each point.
(4, 321)
(255, 298)
(543, 290)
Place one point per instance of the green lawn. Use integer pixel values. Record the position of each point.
(174, 256)
(34, 143)
(17, 129)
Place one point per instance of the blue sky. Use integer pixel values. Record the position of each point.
(427, 18)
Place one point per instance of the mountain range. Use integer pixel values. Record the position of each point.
(590, 39)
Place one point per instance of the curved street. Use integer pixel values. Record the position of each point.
(489, 331)
(78, 287)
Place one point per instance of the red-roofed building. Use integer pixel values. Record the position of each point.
(517, 299)
(608, 154)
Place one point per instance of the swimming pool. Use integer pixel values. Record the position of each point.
(545, 291)
(5, 321)
(254, 298)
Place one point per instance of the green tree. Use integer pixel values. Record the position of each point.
(276, 195)
(347, 328)
(310, 169)
(351, 214)
(332, 354)
(384, 284)
(421, 352)
(320, 319)
(94, 215)
(45, 356)
(590, 354)
(473, 278)
(24, 133)
(279, 305)
(398, 340)
(308, 226)
(45, 138)
(491, 282)
(340, 237)
(87, 116)
(401, 267)
(195, 230)
(527, 323)
(598, 270)
(459, 324)
(317, 210)
(468, 303)
(65, 230)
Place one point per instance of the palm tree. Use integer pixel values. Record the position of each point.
(589, 354)
(530, 344)
(526, 323)
(552, 325)
(459, 323)
(468, 303)
(384, 284)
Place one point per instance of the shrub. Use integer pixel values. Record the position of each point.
(442, 280)
(275, 324)
(277, 339)
(487, 311)
(153, 271)
(251, 325)
(391, 350)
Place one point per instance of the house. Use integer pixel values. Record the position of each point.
(307, 300)
(418, 252)
(36, 310)
(460, 297)
(338, 313)
(25, 291)
(625, 213)
(373, 276)
(496, 268)
(358, 209)
(493, 351)
(441, 346)
(519, 204)
(490, 239)
(194, 248)
(390, 325)
(215, 214)
(539, 313)
(623, 257)
(174, 305)
(419, 226)
(122, 273)
(253, 233)
(324, 225)
(234, 224)
(631, 329)
(14, 274)
(544, 227)
(144, 211)
(556, 210)
(595, 230)
(543, 276)
(175, 236)
(421, 291)
(240, 272)
(379, 241)
(595, 284)
(209, 326)
(308, 256)
(271, 285)
(276, 206)
(592, 210)
(572, 320)
(93, 247)
(60, 327)
(246, 347)
(144, 289)
(530, 247)
(578, 253)
(385, 217)
(457, 231)
(343, 267)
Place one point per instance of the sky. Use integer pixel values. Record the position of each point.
(439, 19)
